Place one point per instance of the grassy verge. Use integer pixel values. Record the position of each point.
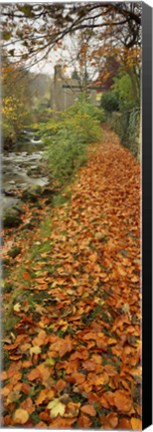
(17, 285)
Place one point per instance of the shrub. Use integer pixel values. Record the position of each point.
(110, 102)
(122, 90)
(85, 106)
(66, 138)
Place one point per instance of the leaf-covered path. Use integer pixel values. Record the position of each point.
(74, 358)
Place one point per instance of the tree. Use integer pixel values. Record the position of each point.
(15, 100)
(78, 57)
(38, 28)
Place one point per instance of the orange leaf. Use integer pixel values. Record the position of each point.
(136, 423)
(26, 364)
(78, 377)
(89, 365)
(7, 421)
(44, 415)
(113, 420)
(93, 257)
(25, 388)
(66, 347)
(40, 339)
(28, 405)
(60, 385)
(89, 409)
(44, 372)
(111, 371)
(33, 375)
(135, 279)
(84, 422)
(111, 341)
(3, 375)
(17, 376)
(109, 421)
(101, 380)
(122, 401)
(26, 275)
(44, 394)
(124, 424)
(25, 347)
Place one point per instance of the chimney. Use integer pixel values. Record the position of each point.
(57, 72)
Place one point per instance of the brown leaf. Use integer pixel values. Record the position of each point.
(41, 424)
(61, 423)
(84, 422)
(124, 424)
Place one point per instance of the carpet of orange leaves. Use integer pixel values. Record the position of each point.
(75, 361)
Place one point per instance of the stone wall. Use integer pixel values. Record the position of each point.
(128, 126)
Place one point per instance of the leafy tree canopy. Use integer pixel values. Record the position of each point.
(38, 28)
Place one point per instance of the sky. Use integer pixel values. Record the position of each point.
(58, 56)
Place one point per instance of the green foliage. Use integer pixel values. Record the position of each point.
(123, 109)
(84, 105)
(123, 91)
(110, 102)
(67, 135)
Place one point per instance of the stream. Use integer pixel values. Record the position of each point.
(22, 167)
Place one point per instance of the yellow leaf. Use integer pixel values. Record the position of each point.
(85, 295)
(126, 309)
(57, 408)
(50, 361)
(17, 307)
(35, 350)
(21, 416)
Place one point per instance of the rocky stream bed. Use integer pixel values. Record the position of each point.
(24, 177)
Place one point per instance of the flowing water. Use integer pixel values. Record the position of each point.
(22, 167)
